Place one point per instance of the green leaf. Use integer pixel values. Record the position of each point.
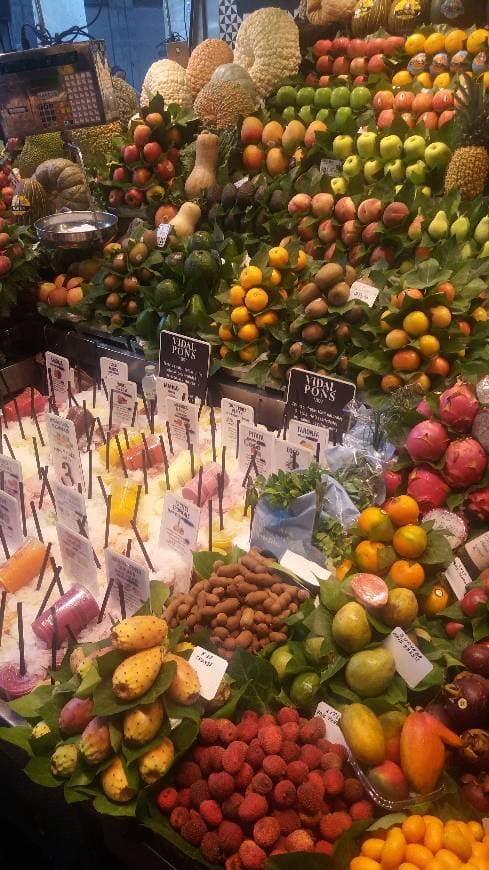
(183, 736)
(103, 805)
(331, 595)
(160, 825)
(259, 674)
(181, 711)
(89, 683)
(106, 703)
(159, 592)
(115, 736)
(204, 563)
(18, 736)
(74, 795)
(28, 707)
(39, 771)
(107, 663)
(131, 753)
(438, 551)
(228, 710)
(387, 822)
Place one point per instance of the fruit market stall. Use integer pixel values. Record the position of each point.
(244, 594)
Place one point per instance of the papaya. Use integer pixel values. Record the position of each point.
(363, 733)
(423, 752)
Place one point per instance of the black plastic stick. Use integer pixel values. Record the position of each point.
(168, 435)
(105, 600)
(43, 566)
(165, 462)
(4, 542)
(36, 522)
(36, 454)
(3, 602)
(107, 522)
(20, 627)
(122, 600)
(22, 508)
(141, 544)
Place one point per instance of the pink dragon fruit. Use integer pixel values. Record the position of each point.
(478, 503)
(424, 409)
(392, 481)
(427, 488)
(465, 463)
(427, 441)
(458, 407)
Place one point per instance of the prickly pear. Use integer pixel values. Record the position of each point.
(75, 715)
(139, 632)
(155, 763)
(64, 759)
(115, 784)
(40, 730)
(95, 741)
(136, 674)
(185, 686)
(142, 723)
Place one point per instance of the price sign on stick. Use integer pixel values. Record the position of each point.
(10, 476)
(179, 525)
(210, 671)
(63, 447)
(58, 375)
(185, 359)
(258, 444)
(70, 507)
(168, 389)
(10, 520)
(309, 435)
(124, 396)
(113, 369)
(133, 577)
(77, 557)
(231, 413)
(184, 423)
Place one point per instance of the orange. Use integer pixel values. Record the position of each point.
(402, 509)
(464, 327)
(396, 339)
(383, 323)
(436, 601)
(248, 332)
(250, 277)
(341, 572)
(390, 383)
(407, 575)
(434, 43)
(278, 257)
(223, 351)
(248, 354)
(414, 44)
(402, 78)
(476, 40)
(410, 541)
(407, 360)
(416, 323)
(479, 314)
(240, 315)
(367, 555)
(225, 333)
(267, 319)
(455, 41)
(477, 830)
(429, 345)
(441, 316)
(362, 379)
(275, 278)
(448, 290)
(442, 80)
(485, 79)
(237, 295)
(256, 299)
(438, 366)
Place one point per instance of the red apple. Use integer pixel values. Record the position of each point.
(311, 79)
(130, 154)
(371, 235)
(174, 136)
(422, 103)
(357, 48)
(173, 154)
(116, 198)
(120, 173)
(164, 170)
(445, 118)
(152, 152)
(374, 46)
(3, 225)
(324, 81)
(383, 100)
(322, 46)
(442, 100)
(393, 44)
(133, 197)
(154, 119)
(141, 135)
(305, 230)
(376, 64)
(351, 233)
(358, 66)
(341, 66)
(16, 250)
(165, 213)
(141, 176)
(422, 252)
(5, 264)
(360, 80)
(340, 45)
(324, 64)
(429, 119)
(386, 118)
(403, 101)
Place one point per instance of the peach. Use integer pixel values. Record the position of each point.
(277, 161)
(74, 296)
(374, 46)
(395, 214)
(351, 233)
(356, 255)
(381, 252)
(311, 248)
(345, 209)
(385, 118)
(442, 100)
(341, 66)
(59, 280)
(301, 202)
(340, 45)
(272, 134)
(314, 127)
(327, 232)
(357, 48)
(154, 119)
(360, 80)
(322, 46)
(329, 252)
(383, 100)
(58, 296)
(422, 103)
(358, 66)
(370, 210)
(74, 282)
(311, 79)
(253, 157)
(370, 234)
(141, 135)
(322, 205)
(408, 119)
(393, 44)
(305, 230)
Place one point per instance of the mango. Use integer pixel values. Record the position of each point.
(155, 763)
(363, 733)
(185, 686)
(351, 628)
(392, 723)
(390, 781)
(369, 672)
(136, 674)
(139, 632)
(115, 784)
(142, 723)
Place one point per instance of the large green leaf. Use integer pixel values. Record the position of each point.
(261, 676)
(39, 771)
(18, 736)
(106, 703)
(103, 805)
(28, 707)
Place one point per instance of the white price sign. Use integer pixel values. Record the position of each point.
(210, 670)
(332, 719)
(183, 418)
(458, 577)
(411, 664)
(258, 444)
(179, 525)
(288, 456)
(308, 435)
(11, 470)
(133, 577)
(70, 507)
(162, 233)
(10, 521)
(63, 447)
(77, 557)
(168, 389)
(58, 374)
(304, 568)
(232, 413)
(364, 292)
(113, 369)
(124, 396)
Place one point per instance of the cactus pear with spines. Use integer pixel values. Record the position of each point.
(139, 632)
(75, 715)
(95, 743)
(136, 674)
(185, 686)
(142, 723)
(156, 762)
(115, 784)
(64, 760)
(40, 730)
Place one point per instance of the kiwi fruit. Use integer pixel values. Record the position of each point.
(295, 350)
(119, 263)
(149, 239)
(113, 301)
(339, 294)
(317, 308)
(312, 333)
(308, 292)
(328, 275)
(326, 352)
(342, 330)
(350, 274)
(354, 315)
(138, 254)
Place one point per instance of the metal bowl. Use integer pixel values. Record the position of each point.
(76, 229)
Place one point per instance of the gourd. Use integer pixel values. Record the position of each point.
(63, 182)
(203, 175)
(233, 72)
(30, 202)
(186, 219)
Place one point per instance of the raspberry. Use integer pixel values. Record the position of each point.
(266, 832)
(209, 730)
(297, 771)
(323, 745)
(193, 831)
(254, 807)
(243, 776)
(234, 756)
(361, 810)
(255, 754)
(290, 731)
(334, 825)
(287, 714)
(290, 751)
(310, 820)
(199, 791)
(288, 821)
(230, 837)
(221, 785)
(270, 738)
(215, 757)
(202, 757)
(340, 750)
(266, 719)
(315, 776)
(313, 730)
(211, 813)
(183, 799)
(210, 847)
(331, 761)
(274, 766)
(284, 794)
(333, 782)
(261, 783)
(338, 805)
(352, 790)
(250, 714)
(324, 846)
(167, 800)
(246, 730)
(252, 857)
(227, 731)
(233, 863)
(178, 817)
(231, 806)
(309, 797)
(188, 773)
(311, 755)
(300, 841)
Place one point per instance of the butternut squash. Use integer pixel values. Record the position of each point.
(203, 175)
(186, 219)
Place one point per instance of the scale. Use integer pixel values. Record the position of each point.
(59, 88)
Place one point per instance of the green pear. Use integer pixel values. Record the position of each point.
(469, 250)
(481, 232)
(460, 228)
(485, 250)
(439, 226)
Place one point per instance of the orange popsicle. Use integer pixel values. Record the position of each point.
(23, 566)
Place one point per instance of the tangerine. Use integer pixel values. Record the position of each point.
(223, 351)
(343, 568)
(390, 383)
(375, 523)
(407, 360)
(402, 78)
(447, 288)
(240, 315)
(267, 319)
(278, 257)
(384, 325)
(237, 294)
(434, 43)
(438, 365)
(410, 541)
(250, 277)
(275, 278)
(402, 509)
(425, 80)
(416, 323)
(429, 345)
(248, 354)
(225, 333)
(441, 316)
(367, 556)
(442, 80)
(464, 327)
(455, 41)
(436, 601)
(414, 44)
(479, 314)
(256, 299)
(301, 261)
(248, 332)
(422, 381)
(396, 339)
(407, 575)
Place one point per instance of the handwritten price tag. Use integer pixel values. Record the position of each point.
(113, 368)
(364, 292)
(77, 557)
(332, 718)
(411, 664)
(458, 577)
(12, 476)
(210, 671)
(330, 167)
(10, 521)
(162, 234)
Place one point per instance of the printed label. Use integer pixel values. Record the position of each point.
(63, 447)
(458, 577)
(332, 718)
(411, 664)
(210, 671)
(133, 577)
(112, 368)
(308, 435)
(11, 522)
(304, 568)
(166, 388)
(478, 550)
(58, 375)
(364, 292)
(77, 557)
(162, 234)
(319, 399)
(257, 443)
(231, 412)
(183, 417)
(179, 525)
(11, 470)
(287, 456)
(124, 397)
(330, 167)
(185, 359)
(70, 507)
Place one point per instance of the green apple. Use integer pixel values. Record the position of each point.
(360, 97)
(366, 145)
(305, 96)
(414, 148)
(307, 115)
(339, 186)
(390, 147)
(343, 116)
(352, 166)
(416, 172)
(289, 114)
(322, 98)
(437, 155)
(342, 147)
(396, 170)
(286, 96)
(324, 115)
(340, 97)
(460, 228)
(372, 169)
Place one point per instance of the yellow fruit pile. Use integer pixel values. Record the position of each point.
(426, 843)
(435, 46)
(396, 531)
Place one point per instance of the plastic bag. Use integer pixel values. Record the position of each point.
(365, 465)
